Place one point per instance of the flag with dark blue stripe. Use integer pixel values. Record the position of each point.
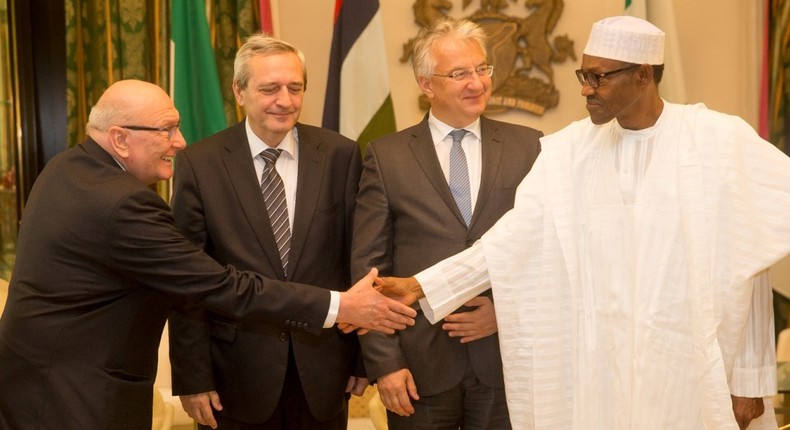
(358, 103)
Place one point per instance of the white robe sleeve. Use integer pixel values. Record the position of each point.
(754, 371)
(452, 282)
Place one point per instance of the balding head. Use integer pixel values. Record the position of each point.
(132, 122)
(127, 102)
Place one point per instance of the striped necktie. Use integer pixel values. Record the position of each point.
(273, 192)
(459, 176)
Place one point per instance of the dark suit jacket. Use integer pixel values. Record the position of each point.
(218, 204)
(99, 259)
(407, 220)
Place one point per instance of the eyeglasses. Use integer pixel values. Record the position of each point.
(171, 131)
(464, 74)
(594, 79)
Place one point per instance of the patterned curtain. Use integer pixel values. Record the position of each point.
(110, 40)
(231, 22)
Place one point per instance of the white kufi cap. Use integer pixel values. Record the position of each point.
(628, 39)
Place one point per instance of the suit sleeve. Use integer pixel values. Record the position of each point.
(372, 247)
(190, 353)
(352, 187)
(146, 247)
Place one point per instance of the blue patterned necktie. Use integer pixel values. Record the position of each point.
(459, 176)
(273, 192)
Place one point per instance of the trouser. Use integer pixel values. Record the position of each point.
(470, 405)
(291, 413)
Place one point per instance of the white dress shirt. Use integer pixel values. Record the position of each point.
(471, 145)
(288, 167)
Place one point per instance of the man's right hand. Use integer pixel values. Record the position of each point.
(747, 409)
(199, 407)
(396, 390)
(474, 324)
(364, 307)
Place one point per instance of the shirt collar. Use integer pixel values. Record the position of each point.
(288, 145)
(440, 130)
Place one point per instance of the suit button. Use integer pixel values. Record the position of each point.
(287, 322)
(283, 337)
(304, 326)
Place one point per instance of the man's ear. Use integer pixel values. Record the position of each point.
(645, 74)
(118, 138)
(426, 86)
(237, 93)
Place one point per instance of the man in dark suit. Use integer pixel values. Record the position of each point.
(98, 263)
(412, 211)
(263, 376)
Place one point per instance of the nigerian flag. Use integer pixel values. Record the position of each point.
(194, 83)
(358, 103)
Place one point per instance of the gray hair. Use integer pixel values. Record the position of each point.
(422, 57)
(261, 44)
(106, 113)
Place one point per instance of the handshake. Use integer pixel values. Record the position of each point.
(380, 304)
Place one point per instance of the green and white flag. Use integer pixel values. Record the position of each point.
(194, 82)
(662, 14)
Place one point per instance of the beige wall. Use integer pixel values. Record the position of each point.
(719, 41)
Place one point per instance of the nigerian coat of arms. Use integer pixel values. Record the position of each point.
(519, 47)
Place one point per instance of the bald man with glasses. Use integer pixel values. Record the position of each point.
(100, 263)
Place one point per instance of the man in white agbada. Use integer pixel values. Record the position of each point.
(629, 279)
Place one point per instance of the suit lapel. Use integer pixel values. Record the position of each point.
(243, 178)
(425, 153)
(491, 152)
(309, 184)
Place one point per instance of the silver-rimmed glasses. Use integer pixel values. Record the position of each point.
(464, 74)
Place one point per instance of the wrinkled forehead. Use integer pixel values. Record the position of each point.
(453, 49)
(157, 111)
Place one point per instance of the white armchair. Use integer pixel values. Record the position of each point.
(162, 418)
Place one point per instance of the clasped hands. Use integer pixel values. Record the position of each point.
(366, 307)
(468, 326)
(402, 291)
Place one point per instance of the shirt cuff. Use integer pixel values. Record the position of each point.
(334, 306)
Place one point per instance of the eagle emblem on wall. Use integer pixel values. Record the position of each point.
(519, 47)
